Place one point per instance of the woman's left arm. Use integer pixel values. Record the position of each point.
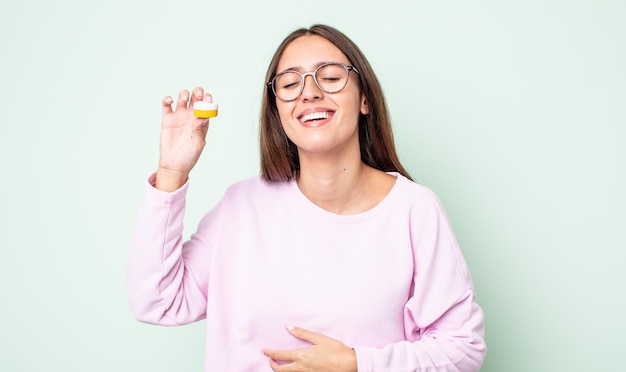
(443, 324)
(453, 342)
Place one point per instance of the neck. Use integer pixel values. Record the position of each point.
(341, 184)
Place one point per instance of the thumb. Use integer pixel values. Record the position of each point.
(200, 127)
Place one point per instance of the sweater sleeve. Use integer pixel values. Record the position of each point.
(166, 279)
(444, 329)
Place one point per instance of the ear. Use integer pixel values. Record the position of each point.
(365, 108)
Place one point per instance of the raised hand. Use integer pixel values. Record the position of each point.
(183, 137)
(324, 354)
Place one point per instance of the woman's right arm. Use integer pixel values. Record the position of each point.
(166, 278)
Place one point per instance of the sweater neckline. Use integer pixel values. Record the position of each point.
(322, 213)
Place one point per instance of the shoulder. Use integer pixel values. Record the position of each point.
(420, 202)
(254, 190)
(247, 198)
(255, 185)
(413, 192)
(428, 217)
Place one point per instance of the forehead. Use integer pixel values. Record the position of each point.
(307, 52)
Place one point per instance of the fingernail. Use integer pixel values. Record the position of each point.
(290, 327)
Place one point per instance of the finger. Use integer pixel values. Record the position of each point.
(207, 97)
(183, 100)
(167, 104)
(306, 335)
(201, 126)
(197, 94)
(281, 355)
(278, 367)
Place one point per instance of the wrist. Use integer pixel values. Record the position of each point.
(170, 180)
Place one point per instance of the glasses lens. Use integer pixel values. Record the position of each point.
(332, 77)
(287, 85)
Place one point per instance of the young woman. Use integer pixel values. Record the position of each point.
(332, 259)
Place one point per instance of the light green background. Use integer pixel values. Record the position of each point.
(513, 112)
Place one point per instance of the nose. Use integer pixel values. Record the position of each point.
(310, 90)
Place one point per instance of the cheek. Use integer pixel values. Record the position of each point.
(356, 106)
(284, 109)
(283, 115)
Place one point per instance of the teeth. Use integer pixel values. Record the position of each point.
(315, 116)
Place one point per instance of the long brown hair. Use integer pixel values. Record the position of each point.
(279, 156)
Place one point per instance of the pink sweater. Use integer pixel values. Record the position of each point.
(390, 282)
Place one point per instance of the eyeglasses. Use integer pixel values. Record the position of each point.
(329, 77)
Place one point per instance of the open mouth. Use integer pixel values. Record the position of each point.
(315, 116)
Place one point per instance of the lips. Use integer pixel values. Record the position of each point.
(315, 116)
